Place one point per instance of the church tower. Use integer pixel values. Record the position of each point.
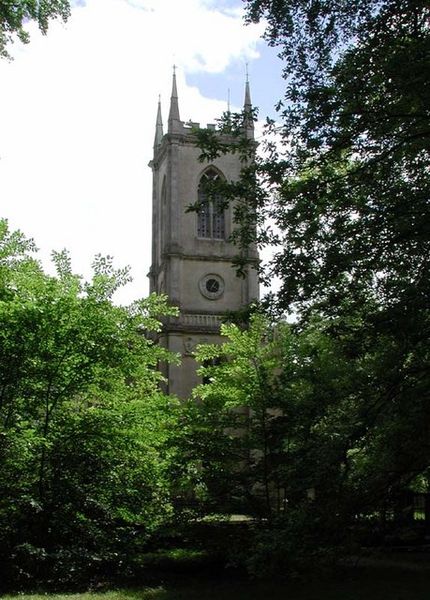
(191, 254)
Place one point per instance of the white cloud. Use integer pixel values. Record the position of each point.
(77, 113)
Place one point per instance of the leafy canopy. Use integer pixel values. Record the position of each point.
(85, 433)
(15, 13)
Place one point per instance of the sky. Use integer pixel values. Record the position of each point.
(77, 117)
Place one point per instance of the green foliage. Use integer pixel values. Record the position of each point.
(347, 184)
(344, 183)
(85, 434)
(301, 427)
(228, 420)
(15, 13)
(344, 180)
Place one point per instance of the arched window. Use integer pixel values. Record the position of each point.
(211, 215)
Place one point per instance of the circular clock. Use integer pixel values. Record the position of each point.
(211, 286)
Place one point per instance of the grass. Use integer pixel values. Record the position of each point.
(364, 584)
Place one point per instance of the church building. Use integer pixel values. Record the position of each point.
(191, 255)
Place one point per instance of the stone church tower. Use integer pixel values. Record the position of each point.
(191, 257)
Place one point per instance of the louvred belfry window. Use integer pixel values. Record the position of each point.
(204, 218)
(211, 214)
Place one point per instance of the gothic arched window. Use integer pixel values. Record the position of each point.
(211, 215)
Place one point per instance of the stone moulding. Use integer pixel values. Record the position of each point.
(198, 322)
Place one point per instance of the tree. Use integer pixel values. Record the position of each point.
(345, 181)
(84, 430)
(348, 188)
(261, 420)
(271, 433)
(229, 420)
(344, 184)
(295, 428)
(15, 13)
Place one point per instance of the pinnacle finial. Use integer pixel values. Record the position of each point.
(174, 117)
(247, 103)
(158, 126)
(247, 108)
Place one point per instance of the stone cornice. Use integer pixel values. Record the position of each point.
(193, 322)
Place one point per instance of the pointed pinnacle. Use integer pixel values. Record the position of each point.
(174, 104)
(158, 126)
(247, 103)
(247, 107)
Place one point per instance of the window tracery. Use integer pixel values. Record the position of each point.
(211, 214)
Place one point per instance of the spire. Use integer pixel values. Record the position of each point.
(174, 119)
(247, 108)
(247, 103)
(158, 126)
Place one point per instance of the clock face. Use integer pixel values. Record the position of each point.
(211, 286)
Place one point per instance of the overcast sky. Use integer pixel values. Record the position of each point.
(77, 116)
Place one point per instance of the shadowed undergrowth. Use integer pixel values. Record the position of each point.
(371, 584)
